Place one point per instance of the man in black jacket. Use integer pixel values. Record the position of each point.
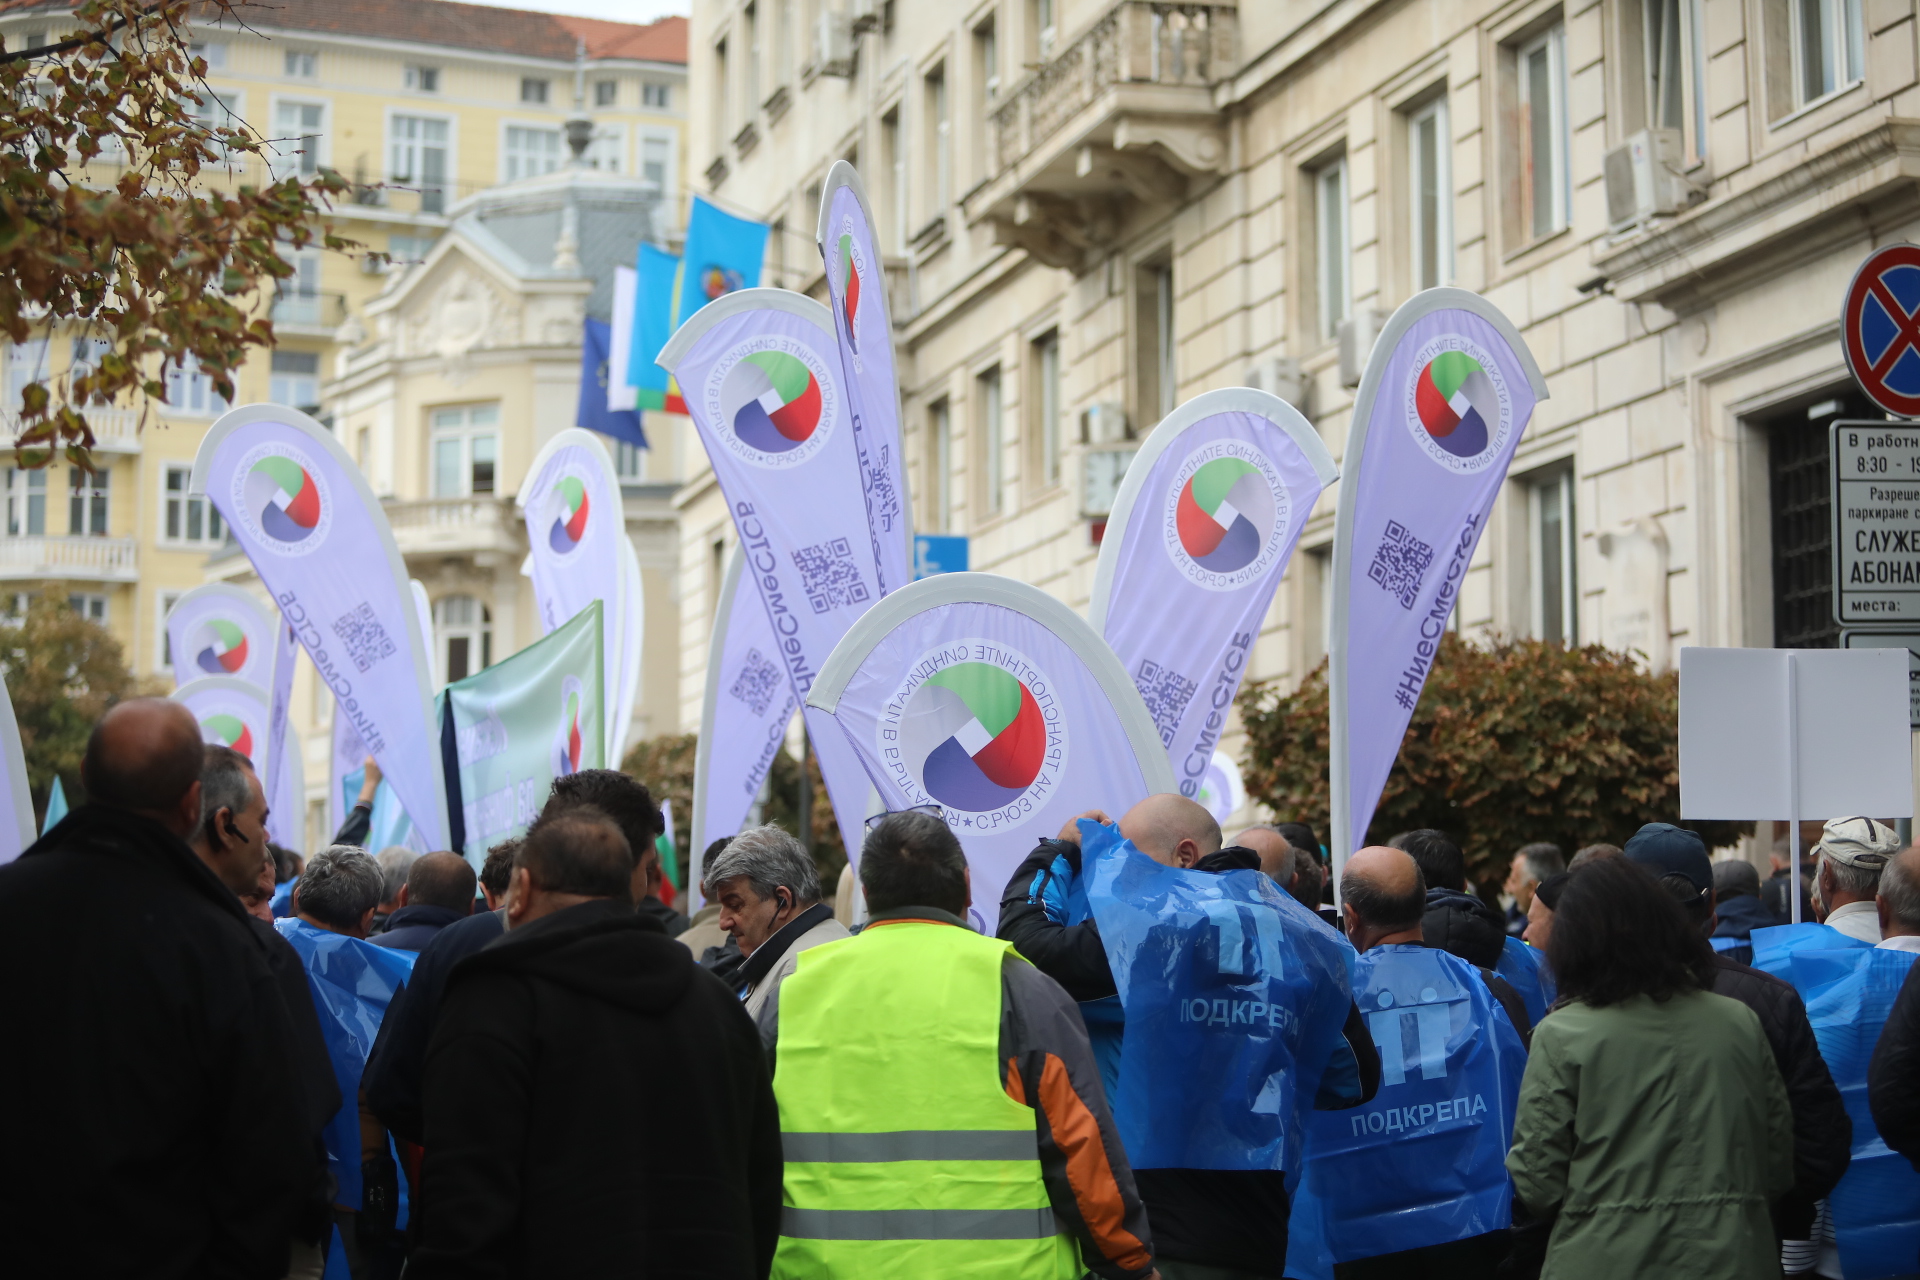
(1223, 1222)
(1822, 1133)
(155, 1127)
(1893, 1078)
(550, 1151)
(1456, 922)
(438, 891)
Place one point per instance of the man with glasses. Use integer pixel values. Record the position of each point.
(769, 895)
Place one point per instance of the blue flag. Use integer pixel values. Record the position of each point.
(723, 253)
(655, 318)
(593, 413)
(56, 805)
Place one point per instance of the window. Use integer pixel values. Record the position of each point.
(940, 463)
(1046, 407)
(1829, 44)
(295, 379)
(606, 93)
(89, 606)
(1676, 70)
(531, 151)
(1552, 547)
(722, 91)
(606, 149)
(87, 502)
(189, 391)
(1332, 243)
(417, 156)
(1154, 383)
(1543, 134)
(1430, 195)
(215, 111)
(1042, 24)
(895, 158)
(1800, 496)
(986, 62)
(407, 250)
(992, 439)
(655, 95)
(939, 143)
(783, 41)
(362, 448)
(213, 51)
(465, 630)
(26, 363)
(629, 462)
(655, 154)
(422, 79)
(534, 90)
(87, 354)
(464, 444)
(26, 502)
(297, 139)
(750, 16)
(297, 298)
(305, 66)
(168, 599)
(190, 521)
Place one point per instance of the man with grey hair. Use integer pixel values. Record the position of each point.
(1898, 902)
(769, 895)
(1531, 864)
(395, 861)
(1850, 855)
(339, 891)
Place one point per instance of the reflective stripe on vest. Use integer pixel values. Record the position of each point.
(896, 1027)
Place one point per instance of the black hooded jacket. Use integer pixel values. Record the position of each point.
(1462, 925)
(596, 1105)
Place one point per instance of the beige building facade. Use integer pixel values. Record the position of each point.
(1093, 210)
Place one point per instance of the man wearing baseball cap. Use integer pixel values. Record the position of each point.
(1851, 854)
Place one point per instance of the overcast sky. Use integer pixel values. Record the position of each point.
(614, 10)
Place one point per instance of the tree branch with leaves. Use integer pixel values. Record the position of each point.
(127, 215)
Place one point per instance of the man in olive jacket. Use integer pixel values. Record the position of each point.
(596, 1105)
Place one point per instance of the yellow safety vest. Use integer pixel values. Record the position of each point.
(905, 1156)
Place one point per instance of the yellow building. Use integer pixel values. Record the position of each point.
(428, 107)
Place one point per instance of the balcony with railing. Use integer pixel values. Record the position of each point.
(298, 310)
(1122, 116)
(115, 430)
(46, 559)
(477, 526)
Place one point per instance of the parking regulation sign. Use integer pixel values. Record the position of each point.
(1876, 523)
(1880, 328)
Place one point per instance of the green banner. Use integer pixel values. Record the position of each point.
(522, 723)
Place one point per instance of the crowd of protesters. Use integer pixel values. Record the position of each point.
(225, 1061)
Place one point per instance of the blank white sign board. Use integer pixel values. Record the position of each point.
(1784, 734)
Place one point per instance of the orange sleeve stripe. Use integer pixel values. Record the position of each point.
(1016, 1087)
(1077, 1134)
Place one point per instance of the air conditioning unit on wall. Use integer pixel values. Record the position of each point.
(1357, 334)
(1646, 177)
(1283, 377)
(833, 47)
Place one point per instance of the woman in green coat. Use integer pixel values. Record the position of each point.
(1653, 1127)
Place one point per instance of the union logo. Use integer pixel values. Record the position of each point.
(772, 401)
(978, 731)
(569, 502)
(1227, 515)
(223, 648)
(1458, 408)
(279, 498)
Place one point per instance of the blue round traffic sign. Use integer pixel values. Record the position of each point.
(1880, 328)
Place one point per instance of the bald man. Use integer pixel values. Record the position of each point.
(156, 1101)
(1212, 1223)
(1297, 871)
(439, 890)
(1461, 1176)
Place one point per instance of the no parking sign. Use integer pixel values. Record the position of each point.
(1880, 328)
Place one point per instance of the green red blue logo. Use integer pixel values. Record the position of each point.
(1458, 407)
(1227, 514)
(979, 736)
(568, 743)
(850, 290)
(570, 515)
(283, 498)
(773, 400)
(225, 650)
(230, 731)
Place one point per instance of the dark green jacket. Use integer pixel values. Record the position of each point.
(1658, 1133)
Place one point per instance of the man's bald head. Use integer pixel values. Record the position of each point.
(145, 756)
(1384, 893)
(441, 880)
(1172, 829)
(1276, 855)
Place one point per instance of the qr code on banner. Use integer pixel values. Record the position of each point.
(1167, 693)
(366, 640)
(758, 681)
(1400, 563)
(829, 575)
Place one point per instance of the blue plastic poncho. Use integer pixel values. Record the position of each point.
(1424, 1163)
(1234, 999)
(352, 984)
(1773, 948)
(1876, 1207)
(1526, 969)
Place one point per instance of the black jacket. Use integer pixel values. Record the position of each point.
(1775, 894)
(596, 1105)
(1229, 1218)
(318, 1085)
(672, 921)
(1822, 1133)
(1740, 916)
(156, 1121)
(1893, 1078)
(412, 928)
(1462, 925)
(398, 1059)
